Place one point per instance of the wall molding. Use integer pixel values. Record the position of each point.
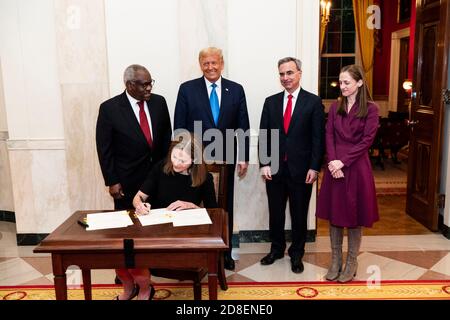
(30, 239)
(36, 144)
(445, 230)
(4, 135)
(7, 216)
(255, 236)
(252, 236)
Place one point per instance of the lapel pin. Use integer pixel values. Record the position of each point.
(226, 89)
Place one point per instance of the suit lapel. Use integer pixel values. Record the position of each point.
(129, 116)
(153, 119)
(204, 98)
(225, 99)
(279, 111)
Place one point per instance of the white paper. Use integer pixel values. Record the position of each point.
(156, 216)
(191, 217)
(108, 220)
(181, 218)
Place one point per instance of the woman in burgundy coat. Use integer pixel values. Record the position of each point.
(347, 197)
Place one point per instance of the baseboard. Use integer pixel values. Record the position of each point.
(443, 228)
(7, 216)
(30, 239)
(263, 236)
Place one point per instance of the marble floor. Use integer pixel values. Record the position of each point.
(388, 257)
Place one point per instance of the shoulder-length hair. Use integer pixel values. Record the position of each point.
(363, 95)
(187, 142)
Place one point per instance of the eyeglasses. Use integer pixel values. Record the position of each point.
(144, 84)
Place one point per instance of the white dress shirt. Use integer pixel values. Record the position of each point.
(134, 104)
(218, 88)
(294, 99)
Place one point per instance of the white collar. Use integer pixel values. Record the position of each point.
(209, 83)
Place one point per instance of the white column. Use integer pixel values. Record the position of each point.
(34, 114)
(82, 65)
(6, 195)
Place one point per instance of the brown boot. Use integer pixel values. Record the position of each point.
(351, 265)
(336, 236)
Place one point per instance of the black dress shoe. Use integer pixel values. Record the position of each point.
(270, 258)
(133, 294)
(152, 292)
(297, 265)
(228, 262)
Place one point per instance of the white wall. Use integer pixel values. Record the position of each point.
(28, 52)
(6, 195)
(34, 114)
(259, 34)
(3, 122)
(146, 33)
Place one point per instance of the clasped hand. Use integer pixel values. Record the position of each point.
(335, 168)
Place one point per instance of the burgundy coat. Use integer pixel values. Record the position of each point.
(350, 201)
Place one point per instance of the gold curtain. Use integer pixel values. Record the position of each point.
(365, 38)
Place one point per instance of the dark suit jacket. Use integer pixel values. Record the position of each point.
(193, 105)
(124, 154)
(304, 142)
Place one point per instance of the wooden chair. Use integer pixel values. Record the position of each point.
(219, 172)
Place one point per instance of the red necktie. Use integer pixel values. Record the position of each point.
(288, 114)
(144, 123)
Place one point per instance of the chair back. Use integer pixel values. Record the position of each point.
(219, 172)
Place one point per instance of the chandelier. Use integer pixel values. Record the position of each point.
(325, 6)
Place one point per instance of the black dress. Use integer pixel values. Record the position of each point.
(163, 189)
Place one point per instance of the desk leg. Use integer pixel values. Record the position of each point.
(212, 275)
(221, 272)
(59, 274)
(87, 284)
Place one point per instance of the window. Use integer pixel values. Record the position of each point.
(339, 47)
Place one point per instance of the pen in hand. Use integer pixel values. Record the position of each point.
(146, 206)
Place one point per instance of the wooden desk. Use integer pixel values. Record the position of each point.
(158, 246)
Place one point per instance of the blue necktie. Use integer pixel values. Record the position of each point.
(214, 102)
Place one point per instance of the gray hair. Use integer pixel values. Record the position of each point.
(210, 51)
(298, 63)
(130, 72)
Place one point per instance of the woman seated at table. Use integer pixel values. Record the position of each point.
(179, 182)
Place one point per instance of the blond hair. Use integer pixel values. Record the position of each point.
(210, 51)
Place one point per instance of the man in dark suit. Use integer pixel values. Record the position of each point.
(133, 133)
(298, 117)
(216, 103)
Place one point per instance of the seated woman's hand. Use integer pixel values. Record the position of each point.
(181, 205)
(143, 208)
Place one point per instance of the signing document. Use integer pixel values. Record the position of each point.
(108, 220)
(190, 217)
